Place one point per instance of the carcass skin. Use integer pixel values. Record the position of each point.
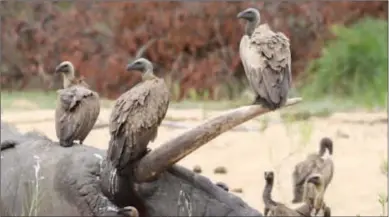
(69, 184)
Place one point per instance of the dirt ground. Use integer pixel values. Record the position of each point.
(360, 146)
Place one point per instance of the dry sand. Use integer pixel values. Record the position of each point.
(359, 150)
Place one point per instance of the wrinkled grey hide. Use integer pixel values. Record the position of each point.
(69, 184)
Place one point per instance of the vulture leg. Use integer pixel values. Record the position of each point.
(262, 101)
(66, 144)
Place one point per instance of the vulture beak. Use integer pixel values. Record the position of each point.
(240, 15)
(63, 67)
(134, 66)
(243, 15)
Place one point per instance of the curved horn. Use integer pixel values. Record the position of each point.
(175, 149)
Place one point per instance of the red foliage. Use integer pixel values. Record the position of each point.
(194, 43)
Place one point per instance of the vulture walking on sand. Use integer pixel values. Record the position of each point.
(266, 60)
(273, 208)
(320, 163)
(77, 107)
(136, 116)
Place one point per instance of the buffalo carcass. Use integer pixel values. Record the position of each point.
(39, 177)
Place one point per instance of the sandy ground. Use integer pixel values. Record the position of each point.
(359, 150)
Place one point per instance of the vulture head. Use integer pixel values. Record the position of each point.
(143, 65)
(66, 68)
(269, 176)
(252, 16)
(129, 211)
(325, 143)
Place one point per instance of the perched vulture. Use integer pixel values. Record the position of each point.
(266, 60)
(136, 116)
(273, 208)
(77, 107)
(314, 163)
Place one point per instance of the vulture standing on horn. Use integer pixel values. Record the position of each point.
(77, 107)
(314, 163)
(266, 60)
(273, 208)
(136, 116)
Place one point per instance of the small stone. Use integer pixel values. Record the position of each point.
(341, 134)
(237, 190)
(220, 170)
(197, 169)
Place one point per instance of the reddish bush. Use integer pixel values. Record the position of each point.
(193, 43)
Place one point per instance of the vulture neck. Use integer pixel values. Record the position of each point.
(250, 27)
(68, 79)
(266, 195)
(148, 75)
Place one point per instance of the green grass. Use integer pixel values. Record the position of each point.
(353, 66)
(26, 100)
(31, 100)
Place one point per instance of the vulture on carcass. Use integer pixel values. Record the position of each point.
(77, 107)
(320, 163)
(273, 208)
(136, 116)
(266, 59)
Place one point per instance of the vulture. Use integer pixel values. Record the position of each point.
(266, 60)
(314, 163)
(273, 208)
(77, 107)
(136, 116)
(315, 193)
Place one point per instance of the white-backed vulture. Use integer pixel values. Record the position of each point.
(266, 59)
(77, 107)
(273, 208)
(136, 116)
(314, 163)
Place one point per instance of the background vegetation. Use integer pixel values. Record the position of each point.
(337, 49)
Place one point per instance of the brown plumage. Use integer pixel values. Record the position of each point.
(266, 60)
(314, 163)
(136, 117)
(77, 107)
(273, 208)
(314, 192)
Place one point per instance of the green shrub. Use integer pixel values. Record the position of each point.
(353, 66)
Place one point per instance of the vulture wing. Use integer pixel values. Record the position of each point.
(135, 119)
(76, 113)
